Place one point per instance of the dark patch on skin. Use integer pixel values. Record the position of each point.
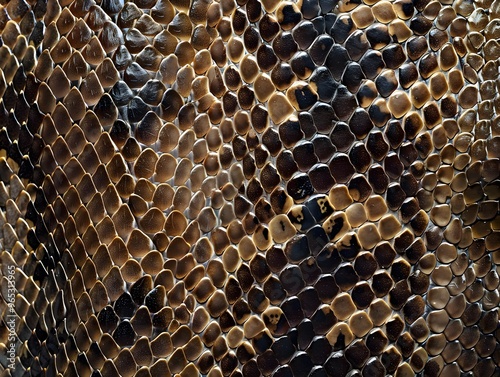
(338, 224)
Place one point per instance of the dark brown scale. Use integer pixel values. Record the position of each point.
(290, 133)
(378, 36)
(246, 97)
(381, 283)
(344, 103)
(428, 65)
(226, 156)
(124, 335)
(416, 47)
(240, 149)
(394, 56)
(417, 170)
(256, 300)
(362, 295)
(310, 9)
(254, 10)
(395, 196)
(276, 259)
(266, 59)
(437, 38)
(300, 187)
(218, 52)
(372, 64)
(356, 45)
(304, 155)
(230, 103)
(251, 39)
(485, 345)
(271, 141)
(400, 270)
(471, 314)
(360, 158)
(346, 277)
(467, 360)
(321, 178)
(239, 21)
(267, 362)
(228, 363)
(377, 146)
(232, 78)
(408, 154)
(284, 46)
(309, 301)
(419, 282)
(323, 148)
(259, 118)
(394, 328)
(359, 188)
(420, 25)
(341, 168)
(357, 353)
(241, 206)
(282, 76)
(292, 281)
(249, 167)
(379, 113)
(301, 365)
(320, 48)
(353, 77)
(319, 350)
(252, 139)
(296, 249)
(365, 265)
(413, 123)
(337, 363)
(286, 164)
(424, 145)
(302, 65)
(448, 106)
(376, 341)
(425, 200)
(342, 137)
(274, 291)
(393, 166)
(384, 254)
(224, 28)
(458, 27)
(135, 41)
(254, 190)
(283, 349)
(269, 177)
(408, 75)
(337, 60)
(378, 179)
(268, 28)
(386, 83)
(406, 344)
(419, 222)
(310, 271)
(305, 34)
(342, 28)
(322, 116)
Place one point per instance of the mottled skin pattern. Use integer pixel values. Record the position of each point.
(245, 188)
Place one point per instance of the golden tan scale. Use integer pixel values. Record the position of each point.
(250, 187)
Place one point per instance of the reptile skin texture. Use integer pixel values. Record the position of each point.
(249, 188)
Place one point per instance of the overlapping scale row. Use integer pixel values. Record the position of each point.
(246, 188)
